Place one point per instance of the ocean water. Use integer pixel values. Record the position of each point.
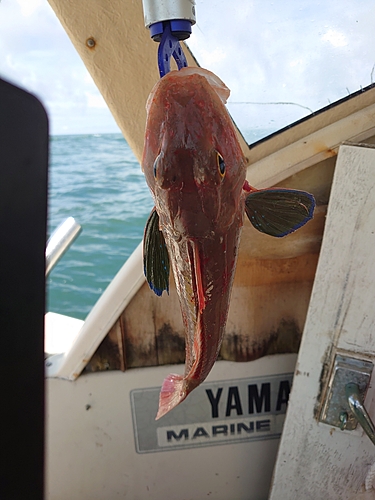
(97, 180)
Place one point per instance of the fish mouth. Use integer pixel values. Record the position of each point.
(197, 281)
(192, 275)
(196, 307)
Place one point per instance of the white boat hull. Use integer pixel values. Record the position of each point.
(103, 442)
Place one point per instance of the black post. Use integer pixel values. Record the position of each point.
(23, 215)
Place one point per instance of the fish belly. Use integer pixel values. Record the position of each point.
(203, 270)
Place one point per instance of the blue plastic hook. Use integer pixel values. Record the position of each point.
(169, 47)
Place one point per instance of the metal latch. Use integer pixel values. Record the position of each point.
(343, 405)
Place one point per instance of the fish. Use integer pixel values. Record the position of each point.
(195, 169)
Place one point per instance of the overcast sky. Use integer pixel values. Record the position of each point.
(36, 53)
(305, 53)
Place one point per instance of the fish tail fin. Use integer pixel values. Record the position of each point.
(172, 393)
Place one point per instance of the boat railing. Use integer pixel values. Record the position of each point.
(60, 240)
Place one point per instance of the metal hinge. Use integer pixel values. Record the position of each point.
(347, 386)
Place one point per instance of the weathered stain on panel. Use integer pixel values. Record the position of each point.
(240, 347)
(266, 316)
(170, 345)
(109, 355)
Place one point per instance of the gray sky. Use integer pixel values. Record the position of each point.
(36, 53)
(304, 52)
(307, 52)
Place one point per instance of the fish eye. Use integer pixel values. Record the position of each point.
(156, 165)
(220, 164)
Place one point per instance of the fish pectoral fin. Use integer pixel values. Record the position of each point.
(278, 212)
(155, 256)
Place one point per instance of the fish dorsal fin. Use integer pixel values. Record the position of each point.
(278, 212)
(155, 256)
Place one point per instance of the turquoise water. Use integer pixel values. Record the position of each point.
(97, 180)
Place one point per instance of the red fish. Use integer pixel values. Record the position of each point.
(195, 169)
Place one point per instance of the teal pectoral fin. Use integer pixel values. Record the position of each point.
(279, 212)
(155, 256)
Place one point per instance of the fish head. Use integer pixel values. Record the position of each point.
(192, 160)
